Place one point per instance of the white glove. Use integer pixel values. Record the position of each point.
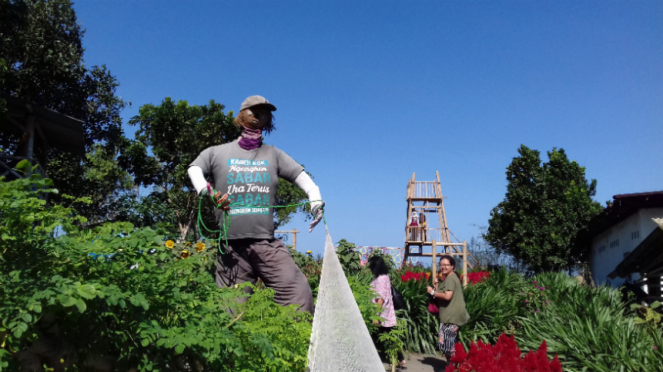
(304, 182)
(318, 214)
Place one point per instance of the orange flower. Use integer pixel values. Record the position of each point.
(170, 244)
(185, 254)
(200, 247)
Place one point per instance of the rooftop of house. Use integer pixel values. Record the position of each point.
(623, 206)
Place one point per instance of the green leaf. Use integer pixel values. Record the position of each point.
(80, 304)
(87, 291)
(145, 342)
(179, 349)
(67, 301)
(27, 317)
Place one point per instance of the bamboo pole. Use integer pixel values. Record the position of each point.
(434, 261)
(464, 263)
(444, 213)
(294, 239)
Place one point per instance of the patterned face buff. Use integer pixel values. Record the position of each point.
(251, 139)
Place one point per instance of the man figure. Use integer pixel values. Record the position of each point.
(248, 171)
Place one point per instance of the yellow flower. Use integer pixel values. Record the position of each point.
(188, 244)
(185, 254)
(170, 244)
(309, 252)
(200, 247)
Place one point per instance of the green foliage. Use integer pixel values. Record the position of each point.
(350, 259)
(647, 314)
(120, 298)
(546, 210)
(493, 306)
(393, 342)
(311, 267)
(364, 295)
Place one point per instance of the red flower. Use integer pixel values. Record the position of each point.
(502, 357)
(460, 355)
(409, 275)
(555, 365)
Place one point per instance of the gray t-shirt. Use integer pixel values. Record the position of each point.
(250, 178)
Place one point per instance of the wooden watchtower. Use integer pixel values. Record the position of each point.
(425, 200)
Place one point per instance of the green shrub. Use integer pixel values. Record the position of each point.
(141, 304)
(311, 267)
(421, 326)
(589, 329)
(493, 307)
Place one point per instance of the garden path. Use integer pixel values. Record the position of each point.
(421, 363)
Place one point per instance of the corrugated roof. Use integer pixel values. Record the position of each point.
(638, 195)
(623, 206)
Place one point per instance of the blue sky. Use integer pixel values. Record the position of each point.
(369, 92)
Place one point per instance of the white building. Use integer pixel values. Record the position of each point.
(624, 226)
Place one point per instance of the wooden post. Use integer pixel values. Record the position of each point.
(294, 239)
(464, 263)
(434, 260)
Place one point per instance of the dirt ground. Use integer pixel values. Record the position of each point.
(421, 363)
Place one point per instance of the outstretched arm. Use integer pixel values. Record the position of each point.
(304, 182)
(197, 178)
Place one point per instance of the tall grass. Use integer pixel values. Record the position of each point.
(590, 329)
(421, 325)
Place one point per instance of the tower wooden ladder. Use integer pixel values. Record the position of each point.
(426, 200)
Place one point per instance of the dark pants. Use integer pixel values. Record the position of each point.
(250, 259)
(381, 348)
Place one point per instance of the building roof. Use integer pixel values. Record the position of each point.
(60, 131)
(647, 257)
(623, 206)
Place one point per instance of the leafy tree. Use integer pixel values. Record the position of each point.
(169, 137)
(42, 63)
(546, 207)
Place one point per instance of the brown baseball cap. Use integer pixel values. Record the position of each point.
(255, 101)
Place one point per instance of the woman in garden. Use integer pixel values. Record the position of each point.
(451, 304)
(382, 286)
(248, 172)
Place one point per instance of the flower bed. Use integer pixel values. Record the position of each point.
(505, 355)
(477, 277)
(409, 275)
